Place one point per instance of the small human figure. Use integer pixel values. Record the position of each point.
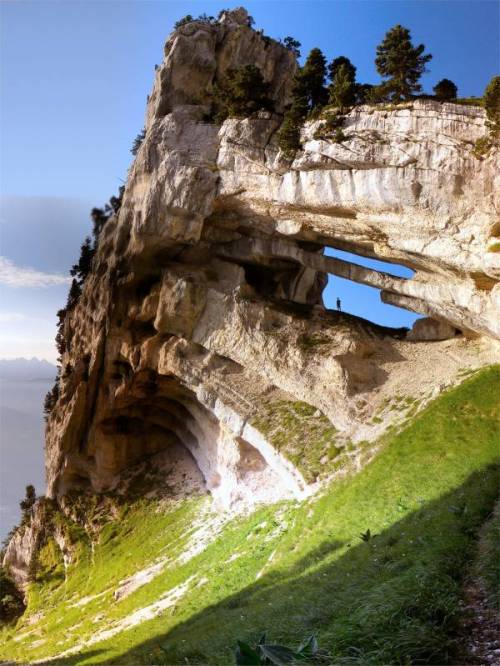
(339, 305)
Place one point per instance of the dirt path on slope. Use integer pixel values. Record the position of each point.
(479, 628)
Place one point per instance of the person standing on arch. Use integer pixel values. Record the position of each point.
(339, 305)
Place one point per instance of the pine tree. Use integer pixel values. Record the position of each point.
(363, 92)
(60, 339)
(289, 132)
(342, 91)
(185, 19)
(491, 101)
(336, 63)
(445, 90)
(139, 139)
(51, 398)
(115, 203)
(84, 265)
(292, 45)
(27, 503)
(99, 219)
(401, 62)
(74, 294)
(241, 93)
(311, 80)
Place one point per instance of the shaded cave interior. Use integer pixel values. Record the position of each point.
(154, 415)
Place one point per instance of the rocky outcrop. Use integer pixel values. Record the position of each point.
(206, 289)
(21, 553)
(204, 306)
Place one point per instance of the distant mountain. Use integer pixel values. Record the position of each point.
(27, 369)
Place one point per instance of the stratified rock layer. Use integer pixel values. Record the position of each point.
(204, 305)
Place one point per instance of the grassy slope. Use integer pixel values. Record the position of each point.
(302, 568)
(487, 565)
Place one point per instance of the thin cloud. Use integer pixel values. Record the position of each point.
(6, 317)
(24, 276)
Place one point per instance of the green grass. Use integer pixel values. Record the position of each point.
(487, 567)
(302, 434)
(468, 101)
(296, 569)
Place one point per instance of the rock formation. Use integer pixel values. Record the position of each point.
(204, 306)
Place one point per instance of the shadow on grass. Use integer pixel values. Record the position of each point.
(391, 600)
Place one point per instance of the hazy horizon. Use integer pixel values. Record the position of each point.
(23, 385)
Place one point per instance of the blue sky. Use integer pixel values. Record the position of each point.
(74, 80)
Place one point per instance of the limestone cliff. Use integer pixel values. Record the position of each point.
(202, 320)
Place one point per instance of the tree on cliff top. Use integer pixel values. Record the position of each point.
(342, 91)
(241, 93)
(401, 62)
(445, 90)
(27, 503)
(311, 80)
(492, 104)
(336, 63)
(292, 45)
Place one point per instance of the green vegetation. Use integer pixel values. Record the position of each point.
(481, 148)
(469, 101)
(337, 63)
(487, 566)
(292, 45)
(408, 407)
(241, 93)
(279, 655)
(491, 101)
(51, 397)
(301, 433)
(27, 503)
(312, 78)
(295, 569)
(289, 132)
(11, 600)
(445, 90)
(342, 90)
(401, 63)
(204, 18)
(81, 269)
(308, 94)
(138, 142)
(331, 127)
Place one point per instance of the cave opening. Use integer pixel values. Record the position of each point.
(362, 300)
(156, 414)
(160, 423)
